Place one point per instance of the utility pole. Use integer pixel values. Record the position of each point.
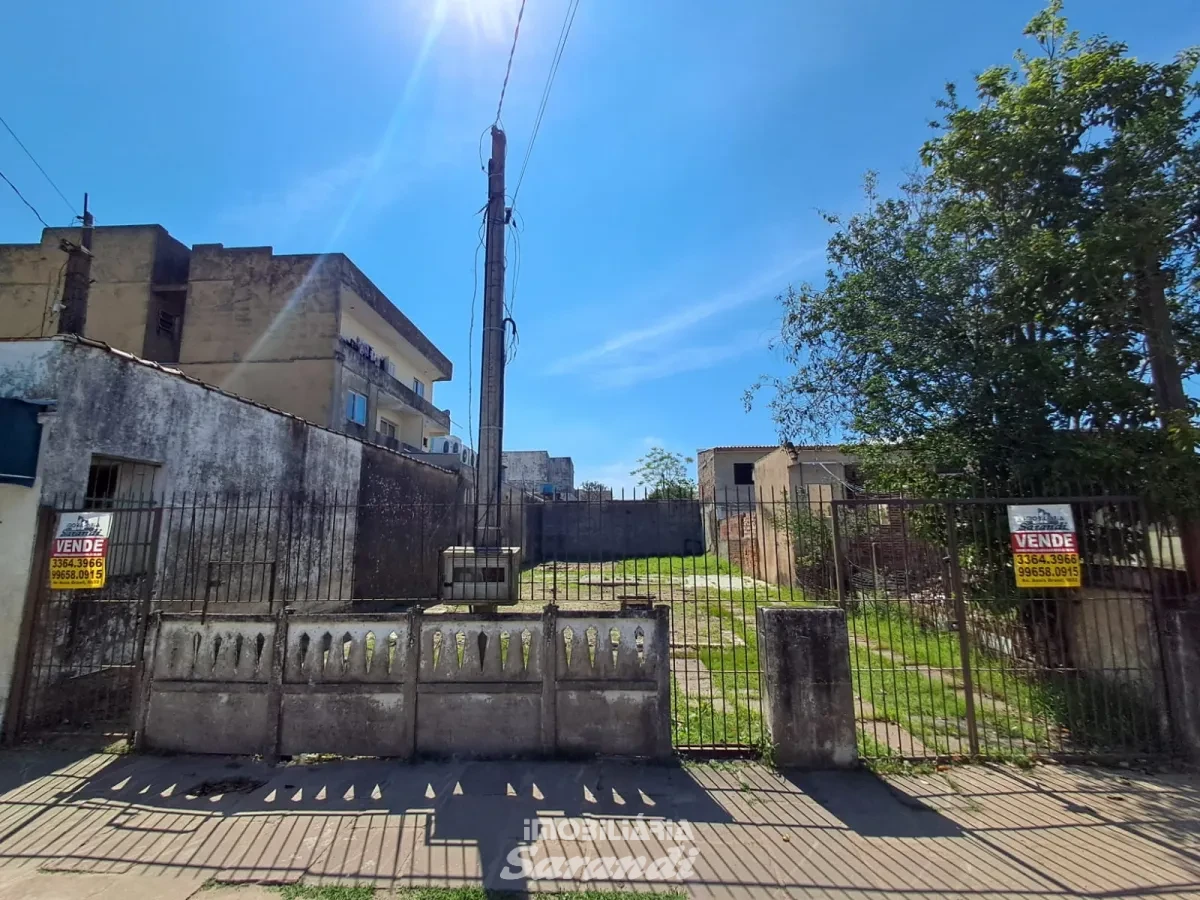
(491, 396)
(78, 281)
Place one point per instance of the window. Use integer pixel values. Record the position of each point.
(387, 429)
(102, 485)
(356, 407)
(167, 323)
(419, 387)
(743, 473)
(127, 489)
(445, 446)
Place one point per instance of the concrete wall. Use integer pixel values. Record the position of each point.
(265, 327)
(560, 472)
(388, 685)
(18, 522)
(408, 513)
(621, 528)
(809, 697)
(794, 483)
(531, 470)
(122, 307)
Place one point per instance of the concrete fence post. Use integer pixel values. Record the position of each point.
(809, 703)
(279, 645)
(662, 657)
(549, 702)
(409, 690)
(1181, 668)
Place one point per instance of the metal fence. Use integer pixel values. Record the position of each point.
(949, 658)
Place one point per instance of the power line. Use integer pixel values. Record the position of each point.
(39, 167)
(512, 51)
(45, 224)
(564, 33)
(471, 344)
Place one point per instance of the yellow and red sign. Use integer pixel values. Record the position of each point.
(79, 551)
(1045, 546)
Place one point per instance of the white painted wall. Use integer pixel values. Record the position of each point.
(18, 521)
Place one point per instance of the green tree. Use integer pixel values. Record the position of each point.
(593, 487)
(995, 317)
(664, 475)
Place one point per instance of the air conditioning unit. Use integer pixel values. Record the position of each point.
(481, 574)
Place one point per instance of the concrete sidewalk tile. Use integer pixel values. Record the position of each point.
(282, 849)
(52, 886)
(372, 849)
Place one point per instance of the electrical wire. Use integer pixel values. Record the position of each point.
(471, 342)
(508, 69)
(564, 33)
(39, 167)
(45, 224)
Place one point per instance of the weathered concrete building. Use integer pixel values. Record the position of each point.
(308, 334)
(537, 472)
(120, 433)
(136, 301)
(797, 482)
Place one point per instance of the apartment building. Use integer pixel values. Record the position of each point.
(308, 334)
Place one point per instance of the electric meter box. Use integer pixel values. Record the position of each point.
(481, 574)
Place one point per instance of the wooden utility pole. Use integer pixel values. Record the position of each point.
(73, 317)
(1173, 405)
(491, 394)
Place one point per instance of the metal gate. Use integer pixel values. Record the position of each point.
(950, 658)
(79, 653)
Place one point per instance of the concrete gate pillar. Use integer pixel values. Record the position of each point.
(805, 655)
(1181, 662)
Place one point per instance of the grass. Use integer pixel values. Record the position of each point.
(1016, 714)
(677, 566)
(326, 892)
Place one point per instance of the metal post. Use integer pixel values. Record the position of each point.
(960, 615)
(838, 562)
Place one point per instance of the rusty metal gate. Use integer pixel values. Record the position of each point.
(80, 650)
(950, 658)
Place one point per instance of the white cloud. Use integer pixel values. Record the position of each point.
(308, 196)
(654, 351)
(648, 367)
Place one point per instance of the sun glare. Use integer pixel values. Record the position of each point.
(490, 20)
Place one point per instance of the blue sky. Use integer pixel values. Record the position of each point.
(672, 193)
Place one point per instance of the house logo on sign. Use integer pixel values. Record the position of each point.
(1043, 520)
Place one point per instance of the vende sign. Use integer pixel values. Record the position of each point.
(1045, 546)
(90, 546)
(1040, 541)
(77, 555)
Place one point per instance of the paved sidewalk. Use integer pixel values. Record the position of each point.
(104, 827)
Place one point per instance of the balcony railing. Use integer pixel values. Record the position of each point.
(370, 370)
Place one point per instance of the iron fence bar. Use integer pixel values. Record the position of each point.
(960, 614)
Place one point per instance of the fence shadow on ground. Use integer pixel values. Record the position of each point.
(353, 821)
